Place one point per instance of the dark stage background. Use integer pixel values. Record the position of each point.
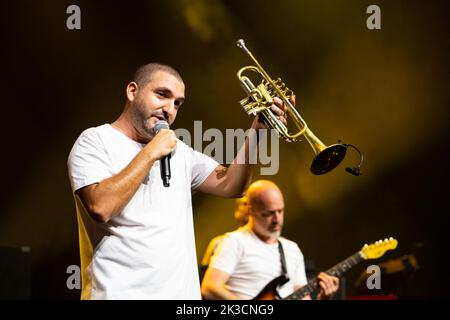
(386, 91)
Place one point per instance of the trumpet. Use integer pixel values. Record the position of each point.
(260, 98)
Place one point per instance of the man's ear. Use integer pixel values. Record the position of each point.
(132, 89)
(250, 210)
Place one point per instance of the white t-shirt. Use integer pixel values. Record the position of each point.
(252, 263)
(148, 250)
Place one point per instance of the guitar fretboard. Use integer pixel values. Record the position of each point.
(337, 271)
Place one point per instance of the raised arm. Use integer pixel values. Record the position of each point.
(232, 181)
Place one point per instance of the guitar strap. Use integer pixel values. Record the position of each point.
(283, 262)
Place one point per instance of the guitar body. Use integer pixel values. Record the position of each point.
(372, 251)
(270, 291)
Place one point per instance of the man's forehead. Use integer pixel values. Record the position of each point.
(162, 75)
(165, 82)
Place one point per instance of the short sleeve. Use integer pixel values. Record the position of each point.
(227, 255)
(202, 166)
(88, 161)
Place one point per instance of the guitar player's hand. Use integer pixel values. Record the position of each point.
(328, 286)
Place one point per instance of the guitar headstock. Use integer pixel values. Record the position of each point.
(377, 249)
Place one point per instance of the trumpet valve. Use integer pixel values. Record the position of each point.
(252, 107)
(282, 88)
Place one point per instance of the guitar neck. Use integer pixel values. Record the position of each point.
(338, 270)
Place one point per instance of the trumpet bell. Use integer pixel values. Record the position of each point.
(328, 159)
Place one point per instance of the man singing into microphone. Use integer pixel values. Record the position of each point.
(136, 235)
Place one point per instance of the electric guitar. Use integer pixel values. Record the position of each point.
(372, 251)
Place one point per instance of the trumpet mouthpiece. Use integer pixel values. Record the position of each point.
(241, 44)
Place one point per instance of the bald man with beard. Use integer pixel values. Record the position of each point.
(250, 257)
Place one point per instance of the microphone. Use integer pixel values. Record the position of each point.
(353, 171)
(164, 162)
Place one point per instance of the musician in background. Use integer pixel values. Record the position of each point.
(250, 257)
(241, 216)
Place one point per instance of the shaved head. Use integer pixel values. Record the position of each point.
(262, 190)
(265, 209)
(143, 74)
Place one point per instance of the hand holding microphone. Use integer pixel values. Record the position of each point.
(165, 159)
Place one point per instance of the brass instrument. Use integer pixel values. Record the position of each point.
(260, 98)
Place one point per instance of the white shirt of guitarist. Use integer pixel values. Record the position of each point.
(252, 263)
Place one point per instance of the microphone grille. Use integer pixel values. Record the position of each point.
(161, 124)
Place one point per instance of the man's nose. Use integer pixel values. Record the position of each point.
(277, 216)
(168, 108)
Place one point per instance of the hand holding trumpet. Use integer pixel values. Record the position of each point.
(279, 109)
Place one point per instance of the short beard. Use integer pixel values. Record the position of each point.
(276, 234)
(139, 120)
